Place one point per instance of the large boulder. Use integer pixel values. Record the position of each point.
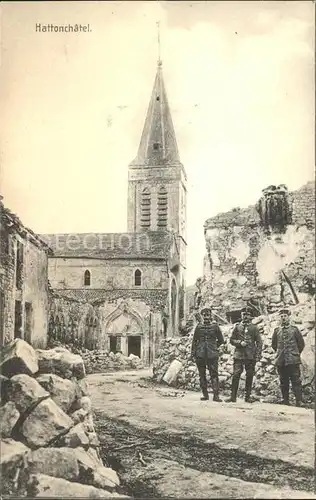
(3, 384)
(12, 456)
(91, 472)
(172, 373)
(57, 462)
(46, 422)
(62, 363)
(77, 436)
(9, 415)
(18, 357)
(25, 392)
(64, 392)
(41, 485)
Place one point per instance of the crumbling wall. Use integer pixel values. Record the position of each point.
(23, 282)
(184, 374)
(49, 446)
(248, 259)
(88, 326)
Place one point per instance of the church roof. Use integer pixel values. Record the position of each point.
(158, 145)
(145, 245)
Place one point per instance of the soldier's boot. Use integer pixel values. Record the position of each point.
(248, 388)
(233, 397)
(285, 396)
(205, 396)
(297, 389)
(215, 387)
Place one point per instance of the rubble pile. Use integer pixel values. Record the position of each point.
(174, 366)
(104, 361)
(101, 361)
(49, 446)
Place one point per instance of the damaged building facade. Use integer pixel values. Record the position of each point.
(24, 298)
(261, 256)
(124, 292)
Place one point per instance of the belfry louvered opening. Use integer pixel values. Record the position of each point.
(145, 209)
(162, 211)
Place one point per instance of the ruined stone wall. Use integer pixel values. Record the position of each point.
(244, 261)
(33, 290)
(68, 273)
(7, 284)
(304, 205)
(87, 325)
(49, 446)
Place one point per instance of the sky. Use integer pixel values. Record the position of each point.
(240, 83)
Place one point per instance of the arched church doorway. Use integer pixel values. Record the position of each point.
(124, 333)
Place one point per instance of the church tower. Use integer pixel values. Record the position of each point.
(157, 181)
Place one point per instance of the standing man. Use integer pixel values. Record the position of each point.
(247, 341)
(288, 343)
(206, 340)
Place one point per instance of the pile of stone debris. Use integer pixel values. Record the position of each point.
(101, 361)
(174, 366)
(49, 446)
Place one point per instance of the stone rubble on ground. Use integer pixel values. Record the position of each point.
(101, 361)
(266, 384)
(49, 447)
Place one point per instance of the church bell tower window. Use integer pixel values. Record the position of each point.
(162, 211)
(145, 209)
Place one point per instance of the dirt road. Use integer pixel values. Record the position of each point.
(166, 442)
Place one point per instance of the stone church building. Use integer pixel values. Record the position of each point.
(125, 291)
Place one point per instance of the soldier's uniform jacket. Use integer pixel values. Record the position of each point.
(206, 341)
(250, 334)
(288, 343)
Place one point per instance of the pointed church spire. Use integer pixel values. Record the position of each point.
(158, 145)
(158, 39)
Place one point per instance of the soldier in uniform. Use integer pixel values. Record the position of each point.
(288, 343)
(206, 340)
(247, 341)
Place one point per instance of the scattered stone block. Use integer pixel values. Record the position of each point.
(171, 374)
(62, 391)
(58, 462)
(76, 436)
(92, 473)
(25, 392)
(12, 457)
(63, 363)
(18, 357)
(79, 415)
(9, 415)
(41, 485)
(46, 422)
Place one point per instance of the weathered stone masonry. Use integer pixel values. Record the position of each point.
(23, 282)
(248, 262)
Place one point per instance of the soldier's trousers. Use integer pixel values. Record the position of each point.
(239, 365)
(212, 366)
(291, 373)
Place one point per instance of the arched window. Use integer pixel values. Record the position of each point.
(87, 278)
(138, 277)
(145, 209)
(162, 210)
